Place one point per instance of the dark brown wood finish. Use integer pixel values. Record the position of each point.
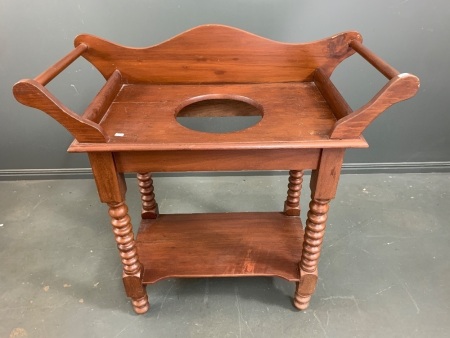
(111, 187)
(292, 203)
(292, 112)
(220, 245)
(218, 54)
(31, 93)
(215, 70)
(98, 107)
(218, 160)
(149, 205)
(132, 267)
(337, 103)
(323, 185)
(399, 88)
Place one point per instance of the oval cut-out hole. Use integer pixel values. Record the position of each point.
(219, 113)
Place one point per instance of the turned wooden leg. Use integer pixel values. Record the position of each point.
(323, 184)
(312, 243)
(292, 203)
(149, 205)
(132, 269)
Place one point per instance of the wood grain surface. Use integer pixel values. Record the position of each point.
(218, 71)
(293, 113)
(218, 54)
(220, 245)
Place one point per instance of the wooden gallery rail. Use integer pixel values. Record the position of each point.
(212, 70)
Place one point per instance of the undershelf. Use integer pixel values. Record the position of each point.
(220, 245)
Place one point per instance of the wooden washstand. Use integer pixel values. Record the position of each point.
(214, 70)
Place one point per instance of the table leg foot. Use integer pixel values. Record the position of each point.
(141, 305)
(301, 302)
(305, 289)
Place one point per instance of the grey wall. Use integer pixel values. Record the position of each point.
(412, 35)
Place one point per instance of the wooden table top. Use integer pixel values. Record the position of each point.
(143, 117)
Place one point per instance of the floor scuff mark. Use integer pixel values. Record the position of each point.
(405, 287)
(320, 324)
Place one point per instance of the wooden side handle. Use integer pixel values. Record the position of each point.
(382, 66)
(31, 93)
(399, 88)
(51, 72)
(84, 128)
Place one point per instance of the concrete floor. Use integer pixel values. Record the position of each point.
(384, 271)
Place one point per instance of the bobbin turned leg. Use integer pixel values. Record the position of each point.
(292, 203)
(312, 243)
(323, 184)
(111, 188)
(132, 269)
(149, 205)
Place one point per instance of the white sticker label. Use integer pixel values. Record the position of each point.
(119, 134)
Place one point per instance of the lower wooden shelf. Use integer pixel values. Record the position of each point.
(220, 245)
